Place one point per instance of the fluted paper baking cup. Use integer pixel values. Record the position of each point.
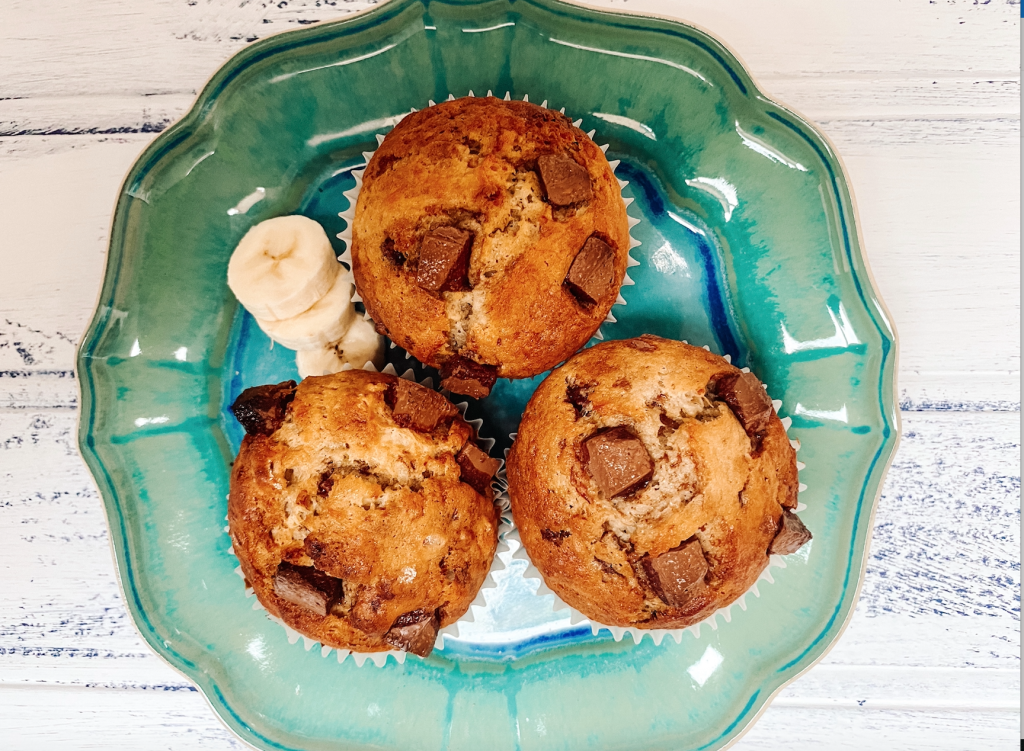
(656, 635)
(379, 659)
(353, 194)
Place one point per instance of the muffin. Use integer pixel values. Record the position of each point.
(361, 509)
(650, 481)
(490, 239)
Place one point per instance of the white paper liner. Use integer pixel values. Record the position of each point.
(657, 635)
(353, 193)
(501, 502)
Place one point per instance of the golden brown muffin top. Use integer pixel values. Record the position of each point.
(598, 535)
(475, 166)
(349, 485)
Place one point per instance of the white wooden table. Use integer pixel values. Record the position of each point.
(921, 98)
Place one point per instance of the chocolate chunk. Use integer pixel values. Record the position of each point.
(669, 423)
(381, 163)
(325, 484)
(618, 461)
(791, 536)
(463, 376)
(555, 537)
(677, 574)
(391, 253)
(306, 587)
(592, 274)
(607, 567)
(414, 632)
(578, 395)
(444, 260)
(313, 547)
(565, 181)
(747, 399)
(477, 467)
(418, 407)
(262, 409)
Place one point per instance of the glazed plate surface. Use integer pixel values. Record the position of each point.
(749, 246)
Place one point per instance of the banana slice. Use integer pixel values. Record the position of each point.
(326, 322)
(362, 344)
(282, 267)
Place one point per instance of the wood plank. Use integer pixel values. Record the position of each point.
(943, 563)
(121, 47)
(91, 718)
(785, 728)
(946, 534)
(916, 37)
(172, 48)
(965, 58)
(941, 231)
(948, 102)
(53, 269)
(87, 718)
(945, 281)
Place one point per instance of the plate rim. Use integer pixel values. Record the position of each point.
(179, 130)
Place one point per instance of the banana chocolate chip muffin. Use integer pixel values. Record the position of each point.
(490, 239)
(361, 509)
(650, 480)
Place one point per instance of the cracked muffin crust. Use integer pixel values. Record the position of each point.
(490, 239)
(650, 480)
(361, 509)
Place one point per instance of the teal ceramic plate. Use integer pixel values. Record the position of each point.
(749, 245)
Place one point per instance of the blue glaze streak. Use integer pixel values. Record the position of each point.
(653, 203)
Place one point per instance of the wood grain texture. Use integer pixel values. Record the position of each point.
(172, 46)
(944, 280)
(921, 100)
(153, 721)
(958, 663)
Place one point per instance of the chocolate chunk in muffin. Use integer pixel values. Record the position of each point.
(555, 537)
(624, 451)
(444, 257)
(578, 395)
(414, 632)
(618, 461)
(792, 535)
(306, 587)
(592, 272)
(262, 409)
(675, 573)
(747, 399)
(463, 376)
(565, 180)
(418, 407)
(477, 467)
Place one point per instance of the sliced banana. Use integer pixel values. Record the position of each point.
(326, 322)
(282, 267)
(362, 344)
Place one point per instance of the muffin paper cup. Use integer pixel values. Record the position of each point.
(656, 635)
(352, 194)
(379, 659)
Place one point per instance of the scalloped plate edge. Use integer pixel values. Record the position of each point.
(183, 128)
